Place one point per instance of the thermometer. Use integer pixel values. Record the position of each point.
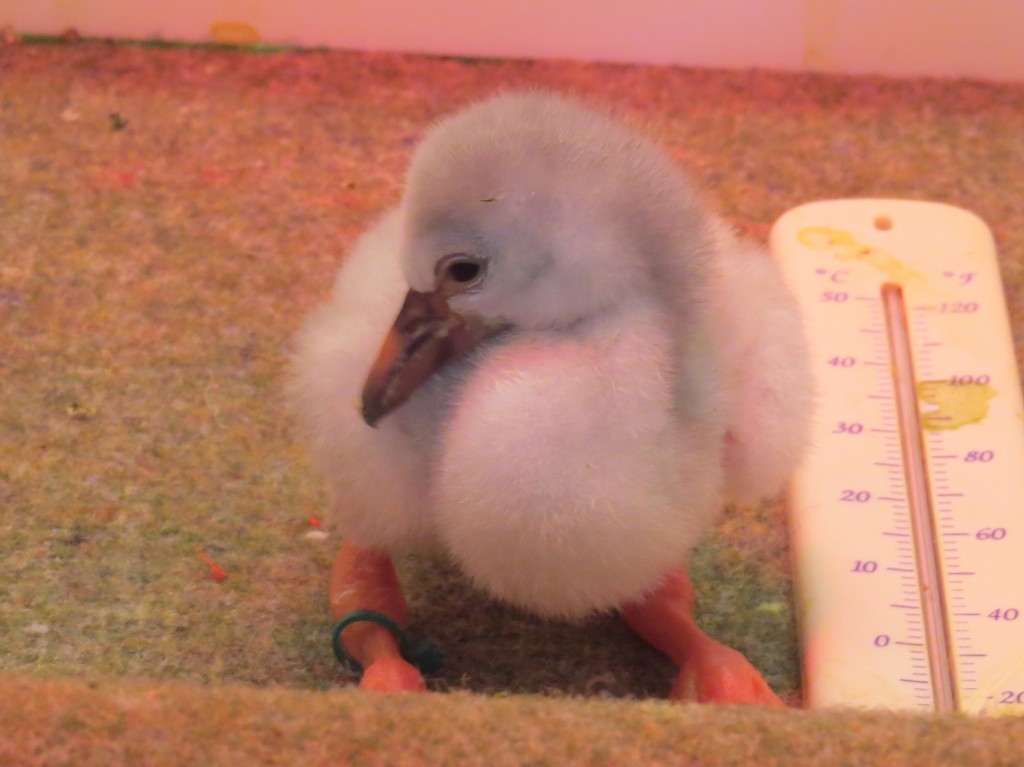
(908, 511)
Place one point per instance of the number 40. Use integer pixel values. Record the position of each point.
(1004, 614)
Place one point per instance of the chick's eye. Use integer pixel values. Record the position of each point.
(460, 271)
(463, 271)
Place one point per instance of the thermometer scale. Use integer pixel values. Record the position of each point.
(908, 512)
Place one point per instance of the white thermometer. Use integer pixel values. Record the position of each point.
(908, 513)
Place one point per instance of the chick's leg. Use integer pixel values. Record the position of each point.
(710, 672)
(365, 580)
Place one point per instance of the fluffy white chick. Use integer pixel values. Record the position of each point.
(585, 366)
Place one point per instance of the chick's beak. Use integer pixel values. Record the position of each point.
(426, 335)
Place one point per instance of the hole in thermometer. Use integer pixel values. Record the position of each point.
(922, 516)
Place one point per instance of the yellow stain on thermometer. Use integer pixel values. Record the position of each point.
(908, 512)
(955, 403)
(844, 246)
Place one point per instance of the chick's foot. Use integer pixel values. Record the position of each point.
(392, 675)
(364, 580)
(714, 673)
(709, 672)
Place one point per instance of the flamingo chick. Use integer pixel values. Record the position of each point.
(585, 366)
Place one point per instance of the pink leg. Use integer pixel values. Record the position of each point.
(710, 672)
(365, 580)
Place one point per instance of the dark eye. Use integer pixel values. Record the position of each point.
(460, 271)
(463, 271)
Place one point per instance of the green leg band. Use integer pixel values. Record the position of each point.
(425, 656)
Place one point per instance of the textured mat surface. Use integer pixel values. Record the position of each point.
(102, 724)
